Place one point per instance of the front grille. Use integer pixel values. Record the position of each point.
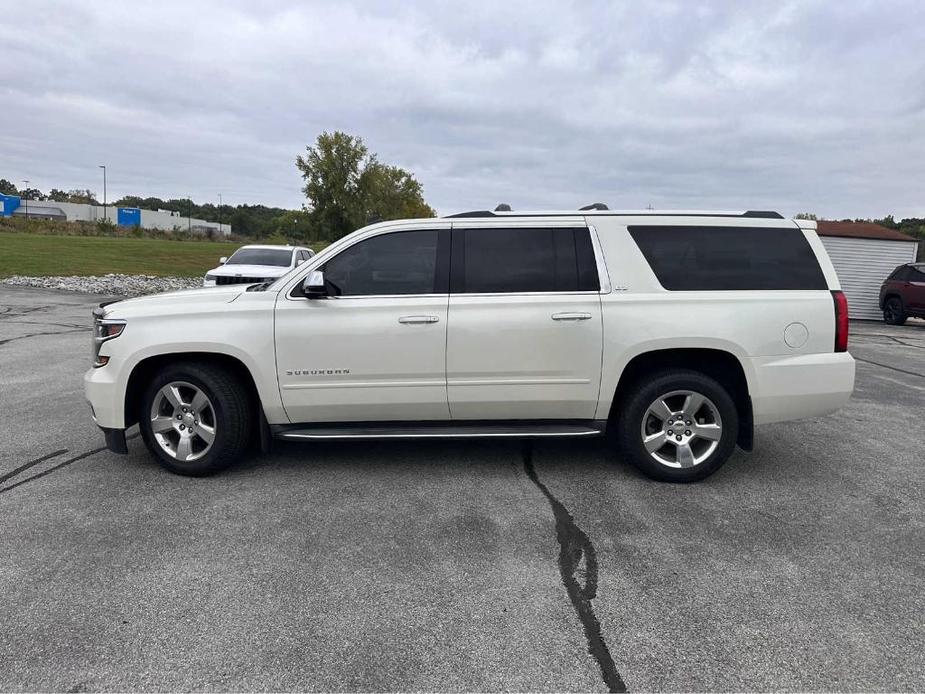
(238, 280)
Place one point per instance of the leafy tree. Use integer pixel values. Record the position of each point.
(31, 194)
(57, 195)
(7, 187)
(887, 222)
(296, 225)
(346, 186)
(129, 201)
(393, 193)
(805, 215)
(332, 170)
(82, 196)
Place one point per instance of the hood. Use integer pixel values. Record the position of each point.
(249, 271)
(186, 300)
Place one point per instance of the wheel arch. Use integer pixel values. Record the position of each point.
(892, 294)
(144, 370)
(721, 365)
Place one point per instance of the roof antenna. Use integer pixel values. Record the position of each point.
(593, 206)
(503, 207)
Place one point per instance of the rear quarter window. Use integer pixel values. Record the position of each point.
(698, 258)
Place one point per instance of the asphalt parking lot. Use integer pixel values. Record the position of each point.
(457, 565)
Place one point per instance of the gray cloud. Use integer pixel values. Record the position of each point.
(795, 106)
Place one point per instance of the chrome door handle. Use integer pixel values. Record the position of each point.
(571, 316)
(418, 319)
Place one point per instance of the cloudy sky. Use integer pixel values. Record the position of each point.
(795, 106)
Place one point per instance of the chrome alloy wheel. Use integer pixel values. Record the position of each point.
(681, 429)
(183, 421)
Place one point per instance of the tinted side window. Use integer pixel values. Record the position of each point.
(899, 274)
(915, 274)
(401, 263)
(587, 265)
(728, 258)
(493, 260)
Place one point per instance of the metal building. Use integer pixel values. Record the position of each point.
(864, 254)
(166, 220)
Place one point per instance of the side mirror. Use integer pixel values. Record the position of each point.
(313, 285)
(299, 262)
(223, 260)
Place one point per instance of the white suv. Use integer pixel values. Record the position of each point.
(680, 331)
(250, 264)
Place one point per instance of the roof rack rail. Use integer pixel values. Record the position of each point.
(763, 214)
(755, 214)
(474, 213)
(594, 206)
(503, 207)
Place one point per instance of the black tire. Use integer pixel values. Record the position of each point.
(631, 415)
(893, 312)
(232, 408)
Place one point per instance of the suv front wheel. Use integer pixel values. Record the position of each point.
(194, 418)
(893, 313)
(678, 426)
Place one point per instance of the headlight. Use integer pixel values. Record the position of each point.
(103, 331)
(210, 278)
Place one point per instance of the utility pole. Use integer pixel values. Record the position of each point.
(103, 167)
(24, 198)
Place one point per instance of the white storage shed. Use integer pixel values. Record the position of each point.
(864, 254)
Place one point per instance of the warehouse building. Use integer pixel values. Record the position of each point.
(164, 220)
(864, 254)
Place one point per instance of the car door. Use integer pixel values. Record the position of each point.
(525, 337)
(374, 349)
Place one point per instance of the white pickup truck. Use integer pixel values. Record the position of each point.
(678, 331)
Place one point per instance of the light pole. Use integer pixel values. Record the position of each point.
(219, 213)
(103, 167)
(189, 214)
(24, 198)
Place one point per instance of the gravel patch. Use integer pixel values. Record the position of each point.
(111, 285)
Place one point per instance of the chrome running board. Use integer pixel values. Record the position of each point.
(441, 430)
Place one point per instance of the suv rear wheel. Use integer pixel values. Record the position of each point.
(194, 418)
(893, 311)
(678, 426)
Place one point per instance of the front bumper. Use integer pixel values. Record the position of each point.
(104, 394)
(106, 407)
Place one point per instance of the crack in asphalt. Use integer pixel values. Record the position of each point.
(31, 463)
(50, 470)
(9, 313)
(57, 325)
(892, 368)
(890, 337)
(578, 568)
(59, 332)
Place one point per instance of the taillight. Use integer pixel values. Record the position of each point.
(841, 321)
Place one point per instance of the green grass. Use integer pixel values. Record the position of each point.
(46, 255)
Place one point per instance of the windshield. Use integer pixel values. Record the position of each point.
(261, 256)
